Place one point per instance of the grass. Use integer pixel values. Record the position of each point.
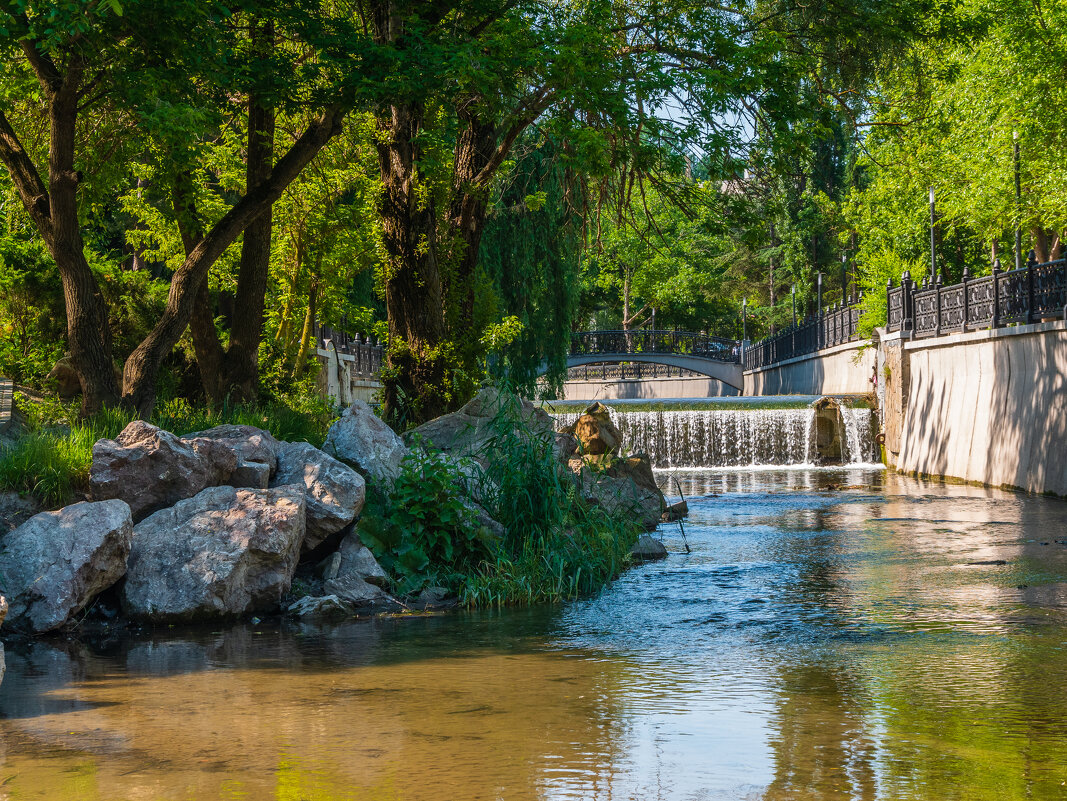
(51, 458)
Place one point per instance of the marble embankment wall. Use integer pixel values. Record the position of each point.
(841, 370)
(986, 406)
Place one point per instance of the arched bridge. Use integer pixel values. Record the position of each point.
(715, 357)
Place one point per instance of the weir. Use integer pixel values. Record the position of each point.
(738, 434)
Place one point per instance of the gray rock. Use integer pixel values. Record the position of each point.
(354, 590)
(676, 511)
(356, 558)
(53, 565)
(152, 469)
(361, 439)
(254, 475)
(648, 548)
(432, 596)
(325, 607)
(469, 432)
(621, 487)
(3, 614)
(333, 490)
(224, 553)
(249, 444)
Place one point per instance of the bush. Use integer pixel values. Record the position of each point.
(555, 547)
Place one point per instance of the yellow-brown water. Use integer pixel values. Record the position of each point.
(832, 635)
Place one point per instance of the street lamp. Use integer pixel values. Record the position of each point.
(1018, 202)
(793, 292)
(933, 241)
(818, 283)
(744, 319)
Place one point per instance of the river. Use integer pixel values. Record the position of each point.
(833, 634)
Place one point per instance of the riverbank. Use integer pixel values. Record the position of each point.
(487, 506)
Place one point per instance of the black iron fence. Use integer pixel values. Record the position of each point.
(591, 343)
(366, 352)
(1030, 294)
(835, 326)
(633, 371)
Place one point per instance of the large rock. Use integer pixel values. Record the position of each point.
(334, 491)
(470, 431)
(355, 558)
(622, 487)
(248, 443)
(53, 565)
(648, 548)
(594, 432)
(152, 469)
(320, 608)
(361, 439)
(223, 553)
(3, 614)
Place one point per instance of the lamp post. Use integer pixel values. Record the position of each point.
(744, 319)
(1018, 201)
(818, 284)
(793, 292)
(844, 278)
(933, 241)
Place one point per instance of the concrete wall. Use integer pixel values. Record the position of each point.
(842, 370)
(652, 388)
(988, 406)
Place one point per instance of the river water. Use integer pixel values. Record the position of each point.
(834, 634)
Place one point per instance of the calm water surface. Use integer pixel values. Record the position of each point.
(832, 635)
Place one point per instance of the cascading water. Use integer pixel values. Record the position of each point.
(734, 437)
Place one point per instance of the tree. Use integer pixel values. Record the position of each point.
(83, 59)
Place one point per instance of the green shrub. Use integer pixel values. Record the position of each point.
(423, 534)
(555, 547)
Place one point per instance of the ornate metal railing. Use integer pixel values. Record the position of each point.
(366, 352)
(1030, 294)
(633, 371)
(591, 343)
(835, 326)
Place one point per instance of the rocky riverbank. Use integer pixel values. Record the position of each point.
(231, 522)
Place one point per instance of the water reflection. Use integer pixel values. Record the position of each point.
(832, 635)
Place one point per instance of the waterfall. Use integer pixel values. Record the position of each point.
(733, 437)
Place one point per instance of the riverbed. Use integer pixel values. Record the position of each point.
(833, 634)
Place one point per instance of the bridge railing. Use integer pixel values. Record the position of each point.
(689, 343)
(366, 352)
(835, 326)
(635, 371)
(1030, 294)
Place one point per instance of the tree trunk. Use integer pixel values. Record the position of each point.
(415, 384)
(142, 367)
(241, 376)
(54, 210)
(305, 334)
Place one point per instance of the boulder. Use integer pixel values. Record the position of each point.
(254, 475)
(648, 548)
(223, 553)
(469, 431)
(676, 511)
(53, 565)
(333, 491)
(362, 440)
(353, 557)
(594, 432)
(353, 590)
(152, 469)
(3, 614)
(248, 443)
(622, 487)
(68, 382)
(323, 607)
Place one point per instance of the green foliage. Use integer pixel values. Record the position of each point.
(423, 534)
(554, 546)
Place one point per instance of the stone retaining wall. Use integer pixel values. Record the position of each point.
(845, 369)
